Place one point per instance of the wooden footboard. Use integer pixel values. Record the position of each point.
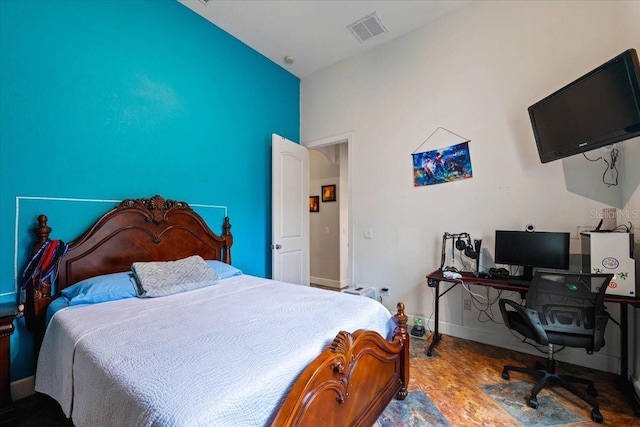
(352, 382)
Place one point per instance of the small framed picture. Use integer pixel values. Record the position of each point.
(314, 204)
(329, 193)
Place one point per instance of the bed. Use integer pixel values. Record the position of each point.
(243, 351)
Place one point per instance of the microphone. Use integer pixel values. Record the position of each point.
(599, 225)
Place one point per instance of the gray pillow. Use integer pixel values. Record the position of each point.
(157, 279)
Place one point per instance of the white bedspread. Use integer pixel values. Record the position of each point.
(224, 355)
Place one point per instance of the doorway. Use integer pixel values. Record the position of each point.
(330, 230)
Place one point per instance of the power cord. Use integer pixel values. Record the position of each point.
(624, 227)
(612, 167)
(473, 294)
(485, 309)
(485, 306)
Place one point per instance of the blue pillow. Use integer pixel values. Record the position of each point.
(223, 269)
(109, 287)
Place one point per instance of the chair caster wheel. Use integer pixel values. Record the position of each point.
(591, 391)
(597, 416)
(505, 375)
(533, 403)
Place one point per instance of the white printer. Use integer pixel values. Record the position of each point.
(611, 253)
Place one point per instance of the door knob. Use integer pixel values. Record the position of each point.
(276, 247)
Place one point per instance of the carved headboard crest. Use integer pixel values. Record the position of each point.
(157, 206)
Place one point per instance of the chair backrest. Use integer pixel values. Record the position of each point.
(568, 302)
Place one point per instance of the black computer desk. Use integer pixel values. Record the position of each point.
(434, 279)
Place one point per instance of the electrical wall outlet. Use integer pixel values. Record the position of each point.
(467, 304)
(385, 292)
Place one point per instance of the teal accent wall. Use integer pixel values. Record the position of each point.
(113, 99)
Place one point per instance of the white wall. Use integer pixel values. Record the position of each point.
(474, 72)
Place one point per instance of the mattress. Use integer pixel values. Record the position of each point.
(221, 355)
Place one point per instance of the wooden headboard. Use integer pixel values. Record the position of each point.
(154, 229)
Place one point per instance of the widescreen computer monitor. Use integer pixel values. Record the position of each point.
(532, 250)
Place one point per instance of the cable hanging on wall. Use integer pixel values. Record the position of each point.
(611, 168)
(442, 165)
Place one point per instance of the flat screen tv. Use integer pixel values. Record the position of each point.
(539, 249)
(600, 108)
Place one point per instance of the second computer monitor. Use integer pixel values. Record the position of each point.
(532, 250)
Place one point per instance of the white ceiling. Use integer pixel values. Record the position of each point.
(314, 32)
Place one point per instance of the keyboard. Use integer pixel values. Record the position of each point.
(518, 281)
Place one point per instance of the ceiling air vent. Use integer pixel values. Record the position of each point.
(367, 27)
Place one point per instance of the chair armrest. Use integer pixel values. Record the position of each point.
(530, 318)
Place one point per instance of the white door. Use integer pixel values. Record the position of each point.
(290, 211)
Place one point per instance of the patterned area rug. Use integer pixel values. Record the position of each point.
(512, 397)
(417, 410)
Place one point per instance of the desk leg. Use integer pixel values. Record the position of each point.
(436, 334)
(624, 343)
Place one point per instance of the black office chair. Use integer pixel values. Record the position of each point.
(564, 309)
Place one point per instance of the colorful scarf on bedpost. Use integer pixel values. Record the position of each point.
(41, 271)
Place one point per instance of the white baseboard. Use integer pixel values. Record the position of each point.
(329, 283)
(23, 388)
